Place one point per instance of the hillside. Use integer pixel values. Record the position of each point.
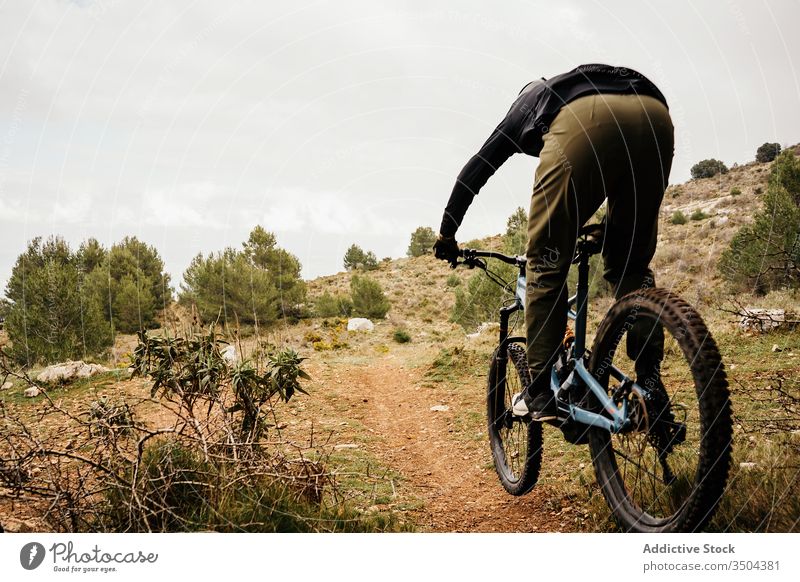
(400, 425)
(386, 390)
(685, 260)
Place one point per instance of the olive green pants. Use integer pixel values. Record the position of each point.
(615, 147)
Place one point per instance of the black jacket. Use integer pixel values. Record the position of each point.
(528, 121)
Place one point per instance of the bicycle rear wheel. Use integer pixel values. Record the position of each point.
(668, 473)
(516, 443)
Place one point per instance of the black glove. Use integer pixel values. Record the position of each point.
(446, 248)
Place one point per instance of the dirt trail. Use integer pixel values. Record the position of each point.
(455, 481)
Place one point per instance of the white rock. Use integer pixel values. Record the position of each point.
(485, 326)
(66, 371)
(346, 446)
(6, 386)
(359, 324)
(229, 354)
(440, 408)
(32, 392)
(747, 465)
(762, 319)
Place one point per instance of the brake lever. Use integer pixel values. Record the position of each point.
(469, 263)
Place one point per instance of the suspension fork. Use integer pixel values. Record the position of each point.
(505, 339)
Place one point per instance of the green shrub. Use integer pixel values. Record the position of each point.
(129, 279)
(256, 285)
(765, 255)
(5, 308)
(133, 306)
(172, 489)
(368, 298)
(228, 288)
(708, 168)
(698, 214)
(401, 336)
(481, 298)
(177, 489)
(356, 258)
(736, 191)
(678, 217)
(193, 369)
(422, 241)
(333, 305)
(515, 240)
(51, 314)
(453, 280)
(767, 152)
(263, 252)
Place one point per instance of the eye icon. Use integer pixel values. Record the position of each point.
(31, 555)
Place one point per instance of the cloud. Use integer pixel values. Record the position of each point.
(73, 208)
(298, 210)
(201, 205)
(12, 211)
(174, 119)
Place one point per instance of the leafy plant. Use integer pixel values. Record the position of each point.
(256, 285)
(698, 214)
(356, 258)
(283, 268)
(51, 315)
(401, 336)
(368, 298)
(188, 369)
(516, 237)
(129, 280)
(767, 152)
(736, 191)
(252, 389)
(422, 240)
(193, 369)
(481, 298)
(765, 254)
(333, 305)
(678, 217)
(708, 168)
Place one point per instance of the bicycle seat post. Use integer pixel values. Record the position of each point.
(582, 299)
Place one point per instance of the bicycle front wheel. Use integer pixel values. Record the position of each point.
(516, 443)
(668, 471)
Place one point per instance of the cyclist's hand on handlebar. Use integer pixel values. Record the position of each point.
(446, 248)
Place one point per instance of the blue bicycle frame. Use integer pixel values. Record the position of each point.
(618, 420)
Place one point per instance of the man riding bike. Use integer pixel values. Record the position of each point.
(600, 132)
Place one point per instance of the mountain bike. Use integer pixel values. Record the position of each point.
(660, 449)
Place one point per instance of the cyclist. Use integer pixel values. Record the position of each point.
(600, 132)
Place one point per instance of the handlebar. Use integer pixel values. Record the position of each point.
(472, 258)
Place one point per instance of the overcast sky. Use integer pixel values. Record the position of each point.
(332, 123)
